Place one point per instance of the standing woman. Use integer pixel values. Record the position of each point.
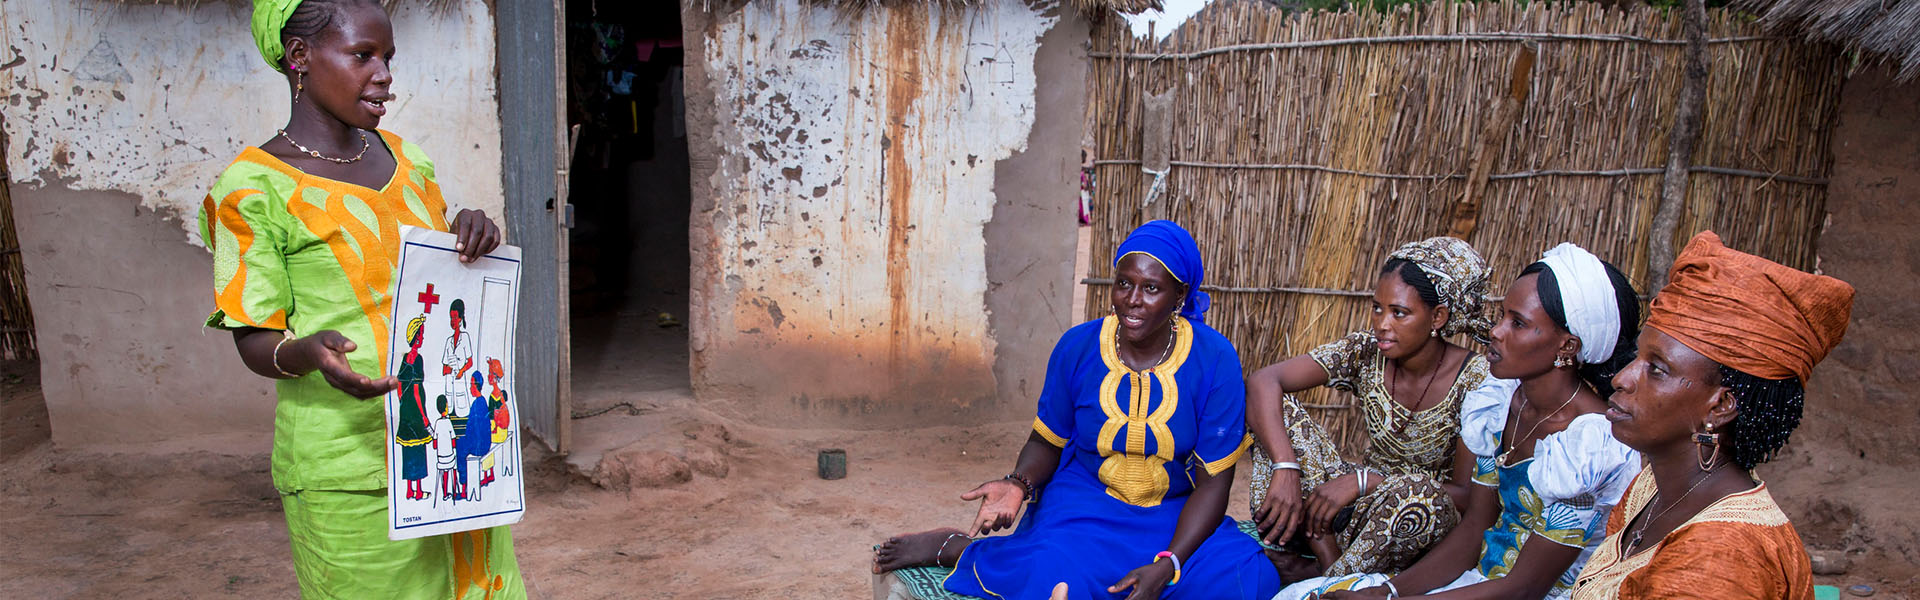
(1546, 467)
(304, 231)
(1716, 390)
(1410, 381)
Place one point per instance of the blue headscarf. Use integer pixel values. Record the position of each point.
(1175, 249)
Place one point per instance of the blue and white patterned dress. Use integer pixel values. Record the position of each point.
(1563, 494)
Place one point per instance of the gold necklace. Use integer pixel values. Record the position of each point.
(1656, 498)
(1173, 331)
(1515, 444)
(364, 144)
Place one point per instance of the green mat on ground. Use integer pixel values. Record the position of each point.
(925, 583)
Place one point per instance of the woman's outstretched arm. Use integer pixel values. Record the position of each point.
(1000, 499)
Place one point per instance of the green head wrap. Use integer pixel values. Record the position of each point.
(269, 16)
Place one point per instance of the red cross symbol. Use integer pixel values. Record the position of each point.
(429, 298)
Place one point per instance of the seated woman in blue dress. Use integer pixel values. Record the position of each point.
(1547, 466)
(1126, 474)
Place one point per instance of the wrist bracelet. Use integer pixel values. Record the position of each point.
(1026, 485)
(1392, 592)
(1363, 481)
(1176, 564)
(286, 335)
(1286, 465)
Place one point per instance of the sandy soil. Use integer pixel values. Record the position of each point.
(185, 522)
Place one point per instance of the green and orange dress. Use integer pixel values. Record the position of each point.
(302, 253)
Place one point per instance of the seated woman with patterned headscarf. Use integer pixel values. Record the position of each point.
(1126, 473)
(1716, 390)
(1546, 467)
(1380, 513)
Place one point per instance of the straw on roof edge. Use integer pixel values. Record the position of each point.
(1880, 29)
(1084, 6)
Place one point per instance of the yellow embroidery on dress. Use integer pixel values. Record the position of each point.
(1214, 467)
(1133, 476)
(1041, 428)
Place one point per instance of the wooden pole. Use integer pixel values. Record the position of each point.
(1464, 216)
(1687, 121)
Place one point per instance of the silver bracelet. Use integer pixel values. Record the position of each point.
(1392, 592)
(286, 335)
(1363, 481)
(1286, 465)
(943, 548)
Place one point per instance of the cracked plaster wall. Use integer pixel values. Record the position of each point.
(847, 170)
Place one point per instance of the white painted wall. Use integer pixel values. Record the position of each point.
(855, 174)
(155, 99)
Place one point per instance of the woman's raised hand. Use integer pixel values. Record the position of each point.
(327, 352)
(1000, 501)
(476, 233)
(1327, 500)
(1281, 512)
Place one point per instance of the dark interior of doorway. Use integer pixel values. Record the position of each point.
(631, 194)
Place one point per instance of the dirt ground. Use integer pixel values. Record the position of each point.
(204, 521)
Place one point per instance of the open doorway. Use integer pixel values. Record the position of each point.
(631, 194)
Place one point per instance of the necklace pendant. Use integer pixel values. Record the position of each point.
(1635, 543)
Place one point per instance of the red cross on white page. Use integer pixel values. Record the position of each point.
(429, 298)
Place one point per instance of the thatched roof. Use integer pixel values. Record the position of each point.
(1879, 29)
(1090, 7)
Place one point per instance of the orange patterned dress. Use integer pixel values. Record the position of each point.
(1741, 546)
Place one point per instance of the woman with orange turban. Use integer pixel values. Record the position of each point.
(1716, 389)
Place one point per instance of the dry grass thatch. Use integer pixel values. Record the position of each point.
(1884, 29)
(1090, 7)
(1306, 148)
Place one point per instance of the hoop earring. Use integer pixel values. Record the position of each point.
(299, 83)
(1709, 447)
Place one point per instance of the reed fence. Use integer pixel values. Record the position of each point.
(16, 317)
(1306, 147)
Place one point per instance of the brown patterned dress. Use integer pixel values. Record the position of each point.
(1395, 522)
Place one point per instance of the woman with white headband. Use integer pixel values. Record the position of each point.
(1547, 466)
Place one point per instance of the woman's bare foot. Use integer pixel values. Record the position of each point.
(922, 549)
